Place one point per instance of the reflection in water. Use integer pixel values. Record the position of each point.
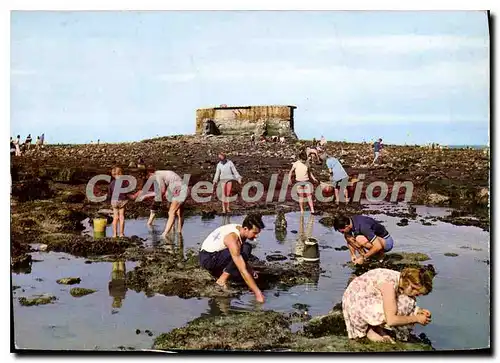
(280, 226)
(303, 235)
(219, 306)
(154, 236)
(99, 235)
(226, 219)
(117, 287)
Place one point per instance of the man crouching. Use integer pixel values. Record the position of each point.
(225, 253)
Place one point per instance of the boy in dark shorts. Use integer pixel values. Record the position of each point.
(365, 236)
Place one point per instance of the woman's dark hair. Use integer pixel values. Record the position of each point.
(340, 222)
(253, 220)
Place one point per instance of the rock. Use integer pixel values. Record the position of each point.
(403, 222)
(280, 223)
(437, 199)
(300, 306)
(275, 257)
(265, 330)
(326, 221)
(83, 245)
(482, 196)
(451, 254)
(75, 198)
(80, 291)
(330, 324)
(137, 331)
(162, 275)
(246, 331)
(394, 261)
(42, 248)
(69, 281)
(280, 235)
(341, 248)
(294, 231)
(37, 300)
(208, 214)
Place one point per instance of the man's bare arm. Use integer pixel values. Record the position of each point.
(231, 241)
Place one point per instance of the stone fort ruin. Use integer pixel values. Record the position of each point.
(246, 120)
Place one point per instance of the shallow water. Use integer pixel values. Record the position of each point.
(460, 302)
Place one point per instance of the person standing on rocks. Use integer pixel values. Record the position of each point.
(302, 176)
(338, 176)
(365, 236)
(17, 144)
(224, 175)
(12, 147)
(225, 253)
(377, 148)
(27, 143)
(118, 202)
(383, 298)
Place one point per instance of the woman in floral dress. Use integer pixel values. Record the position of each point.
(383, 298)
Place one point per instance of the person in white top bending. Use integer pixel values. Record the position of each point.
(174, 190)
(225, 253)
(226, 172)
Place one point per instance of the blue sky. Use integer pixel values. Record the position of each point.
(413, 77)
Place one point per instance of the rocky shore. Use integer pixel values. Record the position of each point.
(48, 205)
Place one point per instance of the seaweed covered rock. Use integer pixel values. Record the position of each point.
(33, 189)
(80, 291)
(393, 261)
(335, 343)
(242, 331)
(178, 276)
(37, 300)
(269, 330)
(69, 281)
(20, 259)
(83, 245)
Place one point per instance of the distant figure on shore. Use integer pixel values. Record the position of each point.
(140, 163)
(322, 142)
(313, 154)
(17, 146)
(42, 140)
(365, 236)
(39, 142)
(252, 139)
(302, 176)
(338, 176)
(12, 147)
(224, 175)
(377, 148)
(383, 298)
(27, 142)
(225, 253)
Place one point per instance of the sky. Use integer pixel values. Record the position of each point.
(407, 77)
